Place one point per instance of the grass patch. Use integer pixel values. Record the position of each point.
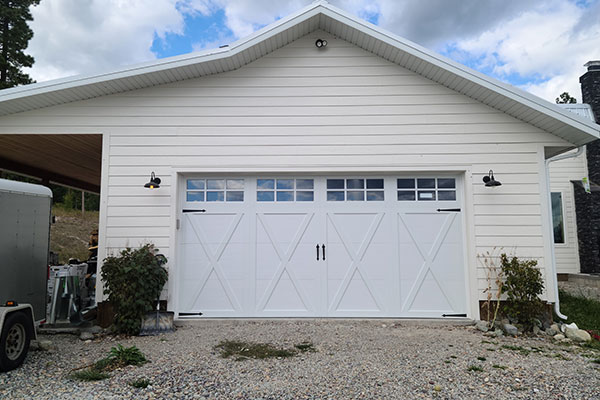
(491, 349)
(475, 368)
(141, 383)
(522, 350)
(89, 375)
(305, 347)
(244, 350)
(584, 312)
(481, 358)
(561, 357)
(499, 366)
(453, 357)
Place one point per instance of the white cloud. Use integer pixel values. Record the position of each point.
(83, 36)
(548, 44)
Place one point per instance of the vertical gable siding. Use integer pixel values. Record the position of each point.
(561, 174)
(337, 108)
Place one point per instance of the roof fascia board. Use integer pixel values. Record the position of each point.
(469, 74)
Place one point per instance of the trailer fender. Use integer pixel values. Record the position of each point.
(26, 309)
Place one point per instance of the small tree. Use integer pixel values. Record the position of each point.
(522, 285)
(565, 98)
(133, 282)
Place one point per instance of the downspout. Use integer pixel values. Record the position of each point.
(549, 201)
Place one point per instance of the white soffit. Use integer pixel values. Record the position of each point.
(320, 15)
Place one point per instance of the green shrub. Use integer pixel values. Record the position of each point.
(89, 375)
(133, 282)
(127, 355)
(522, 285)
(141, 383)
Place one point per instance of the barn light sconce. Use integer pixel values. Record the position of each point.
(490, 181)
(320, 43)
(154, 182)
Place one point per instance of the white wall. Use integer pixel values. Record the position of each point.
(337, 109)
(561, 174)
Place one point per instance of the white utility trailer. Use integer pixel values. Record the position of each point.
(24, 249)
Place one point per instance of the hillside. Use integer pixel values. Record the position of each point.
(70, 234)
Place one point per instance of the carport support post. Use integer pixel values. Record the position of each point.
(82, 202)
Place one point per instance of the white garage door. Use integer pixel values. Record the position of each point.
(267, 246)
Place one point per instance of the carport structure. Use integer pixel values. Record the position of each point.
(73, 160)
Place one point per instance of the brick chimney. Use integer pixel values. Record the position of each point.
(590, 90)
(586, 204)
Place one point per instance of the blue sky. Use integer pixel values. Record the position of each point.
(538, 46)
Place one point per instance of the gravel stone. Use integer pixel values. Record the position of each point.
(354, 359)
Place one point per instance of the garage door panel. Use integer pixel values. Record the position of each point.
(431, 258)
(288, 280)
(350, 236)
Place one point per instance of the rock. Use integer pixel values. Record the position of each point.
(558, 336)
(536, 330)
(577, 335)
(93, 329)
(34, 345)
(482, 326)
(510, 329)
(46, 345)
(86, 336)
(498, 333)
(553, 330)
(563, 327)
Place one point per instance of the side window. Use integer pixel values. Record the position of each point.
(557, 218)
(214, 190)
(285, 190)
(426, 189)
(355, 189)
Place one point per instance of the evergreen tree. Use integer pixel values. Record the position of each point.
(14, 37)
(565, 98)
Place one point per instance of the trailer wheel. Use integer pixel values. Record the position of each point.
(14, 341)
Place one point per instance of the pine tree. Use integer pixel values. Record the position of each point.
(14, 37)
(565, 98)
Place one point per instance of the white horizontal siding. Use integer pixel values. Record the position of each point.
(308, 110)
(561, 174)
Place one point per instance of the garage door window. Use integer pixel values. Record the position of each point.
(285, 190)
(355, 189)
(215, 190)
(426, 189)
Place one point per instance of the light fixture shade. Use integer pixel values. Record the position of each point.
(321, 43)
(490, 181)
(154, 182)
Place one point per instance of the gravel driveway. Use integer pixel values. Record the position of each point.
(354, 359)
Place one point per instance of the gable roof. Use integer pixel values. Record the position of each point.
(319, 15)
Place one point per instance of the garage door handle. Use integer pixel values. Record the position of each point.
(448, 209)
(323, 251)
(317, 251)
(191, 211)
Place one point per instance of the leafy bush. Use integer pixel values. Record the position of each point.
(118, 357)
(522, 285)
(89, 375)
(141, 383)
(133, 281)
